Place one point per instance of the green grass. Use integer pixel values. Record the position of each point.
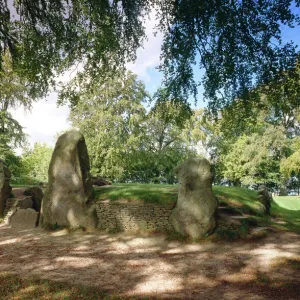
(288, 202)
(287, 209)
(151, 193)
(240, 199)
(15, 287)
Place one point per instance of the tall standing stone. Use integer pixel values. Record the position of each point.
(195, 212)
(68, 197)
(5, 188)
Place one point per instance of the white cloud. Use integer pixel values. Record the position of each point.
(149, 55)
(44, 121)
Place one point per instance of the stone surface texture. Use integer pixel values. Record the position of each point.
(24, 219)
(24, 203)
(99, 181)
(68, 197)
(195, 214)
(265, 198)
(5, 188)
(116, 216)
(37, 195)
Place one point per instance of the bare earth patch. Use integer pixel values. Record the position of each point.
(150, 266)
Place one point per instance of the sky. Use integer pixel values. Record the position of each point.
(46, 120)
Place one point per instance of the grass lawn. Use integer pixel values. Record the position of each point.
(240, 199)
(287, 208)
(151, 193)
(244, 201)
(15, 287)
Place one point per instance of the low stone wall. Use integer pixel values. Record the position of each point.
(122, 216)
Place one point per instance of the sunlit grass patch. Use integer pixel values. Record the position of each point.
(288, 202)
(152, 193)
(241, 199)
(287, 209)
(17, 288)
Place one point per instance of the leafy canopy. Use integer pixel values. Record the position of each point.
(13, 94)
(237, 43)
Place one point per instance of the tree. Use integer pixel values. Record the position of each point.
(290, 166)
(164, 142)
(127, 143)
(13, 93)
(47, 37)
(110, 116)
(35, 163)
(255, 159)
(238, 43)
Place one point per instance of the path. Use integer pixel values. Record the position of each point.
(153, 267)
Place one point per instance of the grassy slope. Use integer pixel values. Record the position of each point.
(287, 208)
(240, 199)
(153, 193)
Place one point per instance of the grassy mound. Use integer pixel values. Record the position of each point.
(240, 199)
(147, 193)
(286, 210)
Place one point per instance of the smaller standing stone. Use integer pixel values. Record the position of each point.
(24, 203)
(5, 188)
(36, 194)
(196, 210)
(265, 198)
(24, 219)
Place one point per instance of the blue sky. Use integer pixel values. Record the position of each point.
(46, 120)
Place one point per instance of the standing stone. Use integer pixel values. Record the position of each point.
(68, 197)
(24, 219)
(265, 198)
(37, 195)
(5, 188)
(196, 210)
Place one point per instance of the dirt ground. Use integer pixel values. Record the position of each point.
(151, 266)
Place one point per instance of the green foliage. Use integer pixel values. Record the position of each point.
(255, 159)
(126, 143)
(111, 118)
(238, 43)
(99, 35)
(35, 163)
(13, 94)
(291, 164)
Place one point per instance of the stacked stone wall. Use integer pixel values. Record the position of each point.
(114, 215)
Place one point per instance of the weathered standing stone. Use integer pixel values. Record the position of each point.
(195, 212)
(99, 181)
(68, 197)
(5, 188)
(36, 194)
(24, 219)
(264, 197)
(24, 203)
